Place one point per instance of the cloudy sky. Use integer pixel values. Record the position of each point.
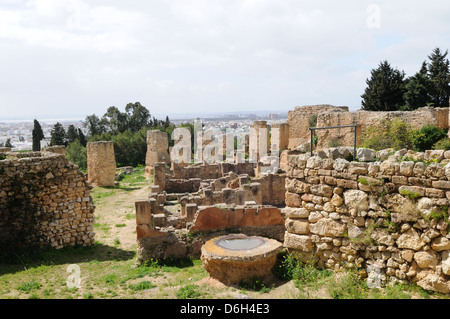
(72, 58)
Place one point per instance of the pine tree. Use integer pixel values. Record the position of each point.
(72, 134)
(58, 135)
(385, 89)
(37, 136)
(439, 70)
(418, 89)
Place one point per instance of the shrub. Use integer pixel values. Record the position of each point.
(76, 153)
(443, 144)
(426, 137)
(387, 133)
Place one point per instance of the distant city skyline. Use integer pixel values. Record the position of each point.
(70, 59)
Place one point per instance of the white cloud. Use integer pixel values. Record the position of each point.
(198, 54)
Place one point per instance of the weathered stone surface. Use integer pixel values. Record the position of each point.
(292, 213)
(431, 281)
(234, 266)
(356, 200)
(298, 242)
(446, 262)
(214, 218)
(366, 154)
(101, 163)
(327, 227)
(426, 259)
(297, 226)
(157, 150)
(50, 198)
(440, 244)
(410, 240)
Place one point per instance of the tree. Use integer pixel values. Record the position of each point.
(115, 120)
(71, 134)
(385, 89)
(37, 136)
(418, 89)
(439, 71)
(58, 135)
(138, 116)
(94, 125)
(76, 153)
(81, 137)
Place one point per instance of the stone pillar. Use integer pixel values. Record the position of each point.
(256, 191)
(191, 210)
(101, 163)
(157, 150)
(259, 140)
(159, 175)
(280, 136)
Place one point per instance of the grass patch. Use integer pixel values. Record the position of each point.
(188, 292)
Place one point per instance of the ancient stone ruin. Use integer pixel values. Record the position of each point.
(101, 163)
(157, 150)
(329, 115)
(44, 201)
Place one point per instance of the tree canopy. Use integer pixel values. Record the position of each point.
(388, 89)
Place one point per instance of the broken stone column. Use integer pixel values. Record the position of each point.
(159, 178)
(279, 136)
(259, 140)
(256, 191)
(157, 150)
(191, 210)
(101, 163)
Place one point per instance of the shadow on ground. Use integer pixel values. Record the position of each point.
(16, 262)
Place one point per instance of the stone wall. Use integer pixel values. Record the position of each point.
(101, 163)
(328, 115)
(387, 217)
(59, 149)
(44, 201)
(182, 179)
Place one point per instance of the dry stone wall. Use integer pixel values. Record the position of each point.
(390, 217)
(44, 201)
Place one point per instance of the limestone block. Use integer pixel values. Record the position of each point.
(410, 240)
(298, 242)
(366, 154)
(101, 163)
(328, 227)
(440, 244)
(157, 149)
(446, 262)
(143, 212)
(297, 226)
(356, 200)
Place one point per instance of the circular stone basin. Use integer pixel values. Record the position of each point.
(235, 258)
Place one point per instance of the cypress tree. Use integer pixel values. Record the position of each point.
(58, 135)
(37, 136)
(439, 70)
(418, 89)
(385, 89)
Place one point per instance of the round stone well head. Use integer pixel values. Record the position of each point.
(237, 257)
